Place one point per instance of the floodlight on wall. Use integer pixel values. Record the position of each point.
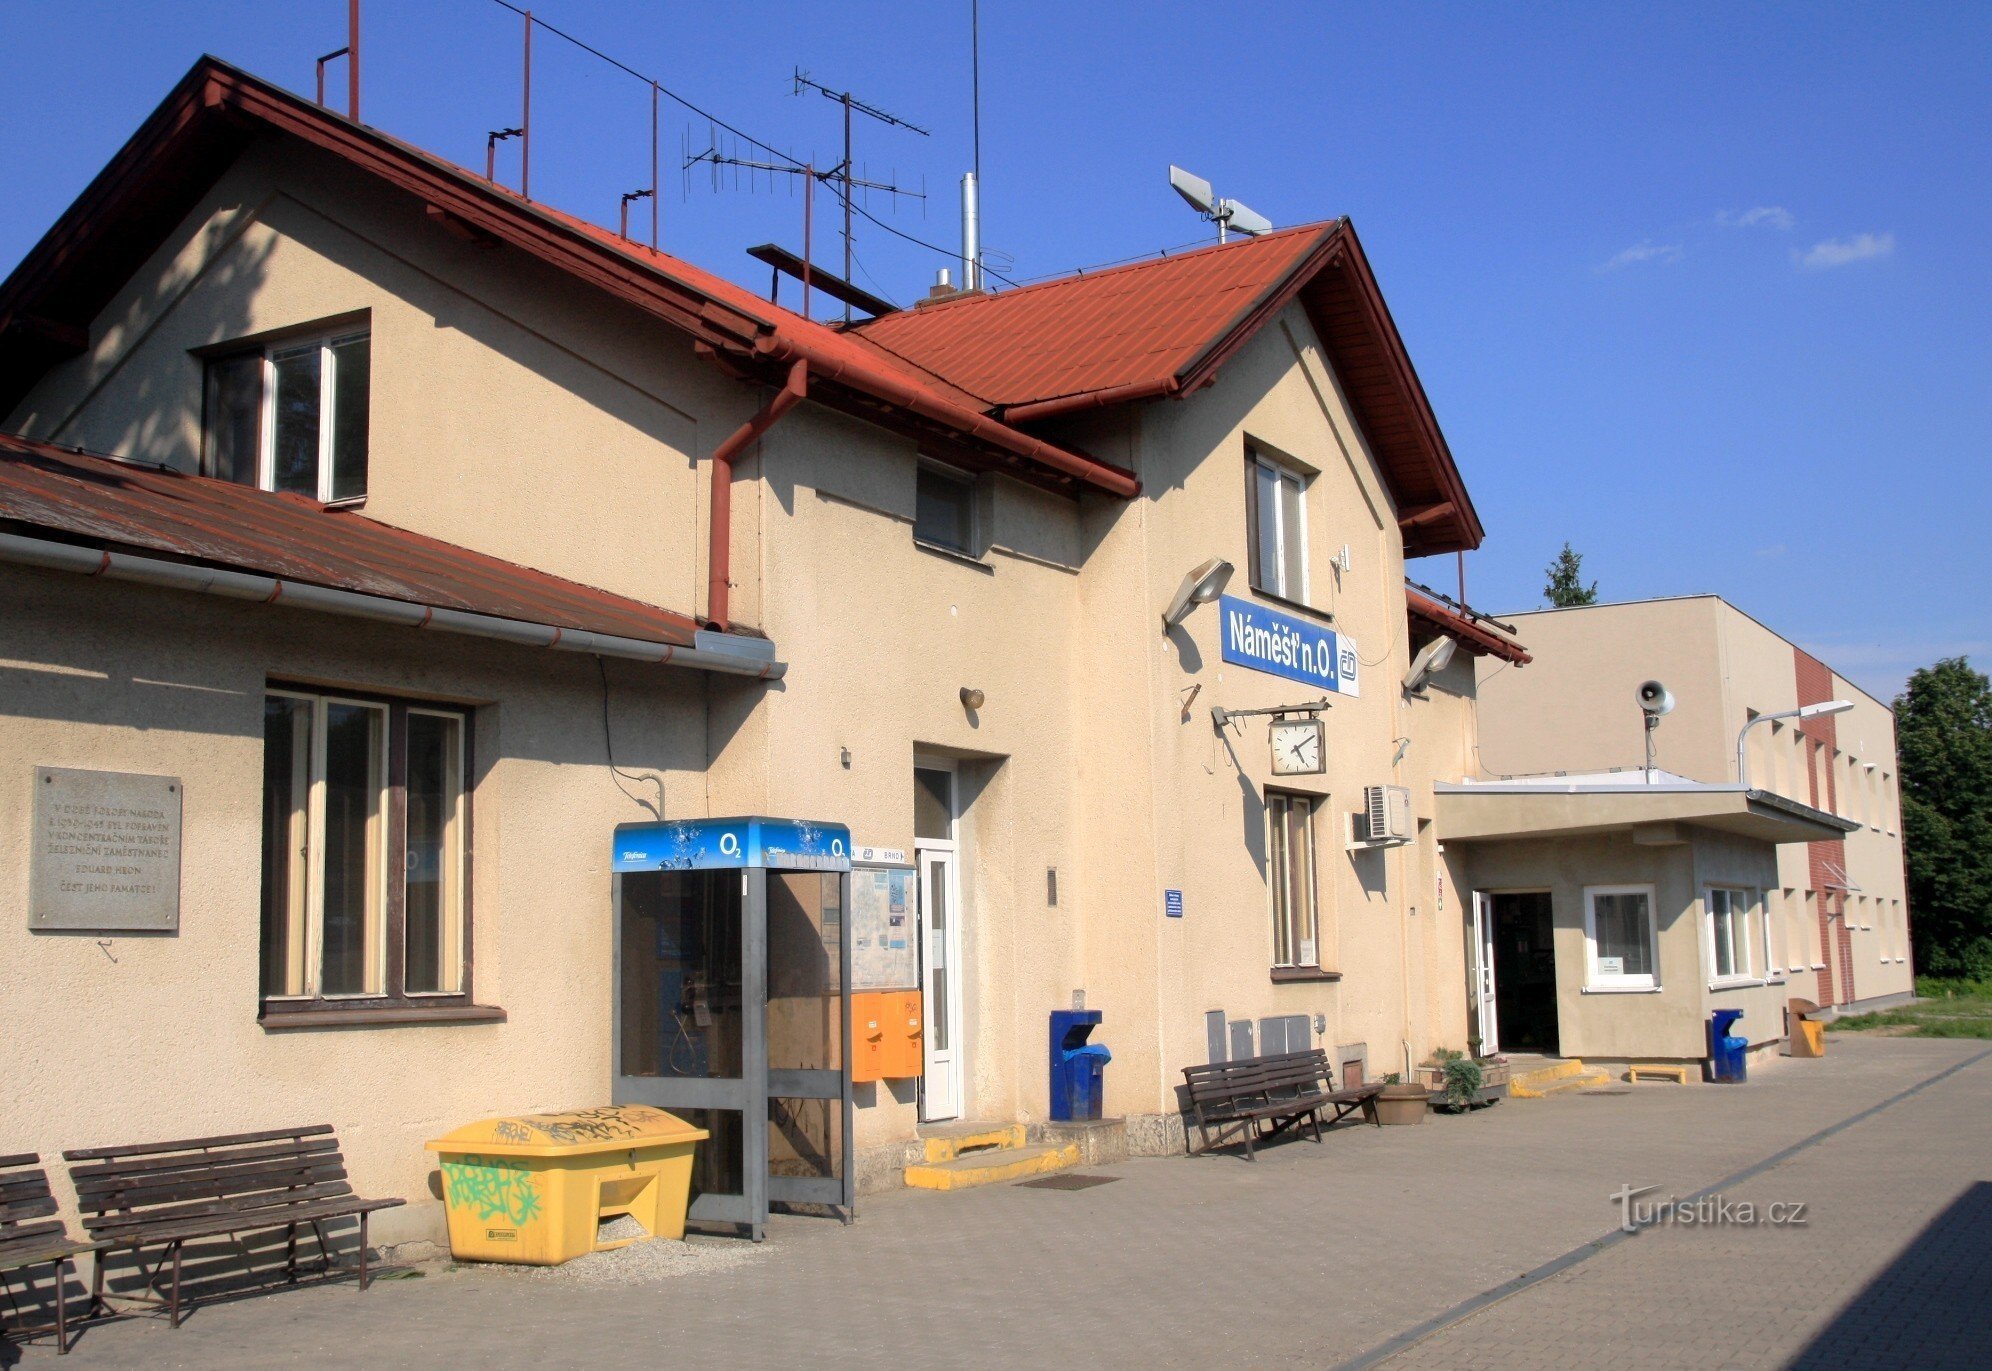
(1203, 584)
(1824, 707)
(1432, 658)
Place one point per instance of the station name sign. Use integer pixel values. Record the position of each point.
(1285, 645)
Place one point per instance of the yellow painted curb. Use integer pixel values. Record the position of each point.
(946, 1149)
(963, 1173)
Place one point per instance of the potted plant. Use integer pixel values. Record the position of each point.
(1446, 1074)
(1402, 1101)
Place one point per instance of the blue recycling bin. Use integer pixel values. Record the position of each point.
(1078, 1067)
(1726, 1051)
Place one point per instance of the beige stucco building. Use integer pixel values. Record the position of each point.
(334, 465)
(936, 618)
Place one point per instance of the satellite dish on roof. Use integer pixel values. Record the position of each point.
(1226, 214)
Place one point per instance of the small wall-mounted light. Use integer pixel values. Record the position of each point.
(844, 756)
(1202, 585)
(971, 698)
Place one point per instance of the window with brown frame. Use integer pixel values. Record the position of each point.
(366, 853)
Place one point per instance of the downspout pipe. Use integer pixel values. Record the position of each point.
(720, 538)
(746, 657)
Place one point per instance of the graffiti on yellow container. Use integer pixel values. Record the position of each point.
(496, 1187)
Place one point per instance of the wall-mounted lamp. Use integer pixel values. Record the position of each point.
(1433, 658)
(844, 756)
(1803, 712)
(1204, 584)
(971, 698)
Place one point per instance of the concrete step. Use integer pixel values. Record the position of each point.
(992, 1167)
(1581, 1083)
(1544, 1080)
(947, 1141)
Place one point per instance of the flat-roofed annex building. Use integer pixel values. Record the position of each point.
(1828, 920)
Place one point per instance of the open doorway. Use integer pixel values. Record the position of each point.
(1521, 938)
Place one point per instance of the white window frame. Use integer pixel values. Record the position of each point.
(1596, 982)
(451, 957)
(266, 427)
(1282, 537)
(1277, 881)
(1742, 946)
(314, 875)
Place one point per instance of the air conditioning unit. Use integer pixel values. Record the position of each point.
(1387, 816)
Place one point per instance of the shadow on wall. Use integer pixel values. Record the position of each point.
(162, 428)
(1928, 1307)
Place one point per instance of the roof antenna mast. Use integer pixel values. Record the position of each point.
(1226, 214)
(842, 172)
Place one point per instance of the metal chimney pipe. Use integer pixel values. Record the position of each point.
(971, 234)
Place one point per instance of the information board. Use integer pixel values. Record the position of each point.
(105, 852)
(885, 939)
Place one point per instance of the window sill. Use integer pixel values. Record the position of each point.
(954, 555)
(378, 1015)
(1737, 983)
(1285, 975)
(1325, 616)
(1620, 990)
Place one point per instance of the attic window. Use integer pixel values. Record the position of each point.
(944, 510)
(292, 416)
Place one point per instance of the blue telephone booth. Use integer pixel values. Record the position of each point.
(732, 1004)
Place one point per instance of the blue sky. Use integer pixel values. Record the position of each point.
(1704, 289)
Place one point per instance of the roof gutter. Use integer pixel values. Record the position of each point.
(714, 651)
(1091, 399)
(1098, 475)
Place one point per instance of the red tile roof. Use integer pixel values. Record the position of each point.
(103, 502)
(1165, 328)
(963, 378)
(1141, 324)
(1475, 635)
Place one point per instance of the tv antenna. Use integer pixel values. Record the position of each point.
(811, 174)
(851, 104)
(1226, 214)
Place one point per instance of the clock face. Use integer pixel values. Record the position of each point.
(1296, 747)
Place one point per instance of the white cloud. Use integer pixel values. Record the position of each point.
(1838, 252)
(1645, 251)
(1763, 216)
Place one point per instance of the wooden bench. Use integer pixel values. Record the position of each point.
(1258, 1098)
(31, 1236)
(167, 1194)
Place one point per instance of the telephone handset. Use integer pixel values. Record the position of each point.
(694, 1001)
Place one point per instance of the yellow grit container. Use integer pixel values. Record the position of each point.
(534, 1189)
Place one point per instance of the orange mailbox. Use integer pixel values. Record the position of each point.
(904, 1048)
(871, 1011)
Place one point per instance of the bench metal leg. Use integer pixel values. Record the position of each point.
(290, 1254)
(363, 1251)
(174, 1316)
(61, 1310)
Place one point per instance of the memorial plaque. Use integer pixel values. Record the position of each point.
(105, 852)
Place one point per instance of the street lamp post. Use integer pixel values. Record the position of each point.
(1805, 712)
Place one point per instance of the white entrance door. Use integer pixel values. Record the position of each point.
(940, 978)
(1483, 973)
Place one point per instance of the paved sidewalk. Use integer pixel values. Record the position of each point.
(1313, 1256)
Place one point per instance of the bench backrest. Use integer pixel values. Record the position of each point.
(121, 1189)
(1269, 1079)
(27, 1205)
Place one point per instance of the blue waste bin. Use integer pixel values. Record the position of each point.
(1726, 1052)
(1078, 1067)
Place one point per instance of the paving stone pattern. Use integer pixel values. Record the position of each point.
(1314, 1255)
